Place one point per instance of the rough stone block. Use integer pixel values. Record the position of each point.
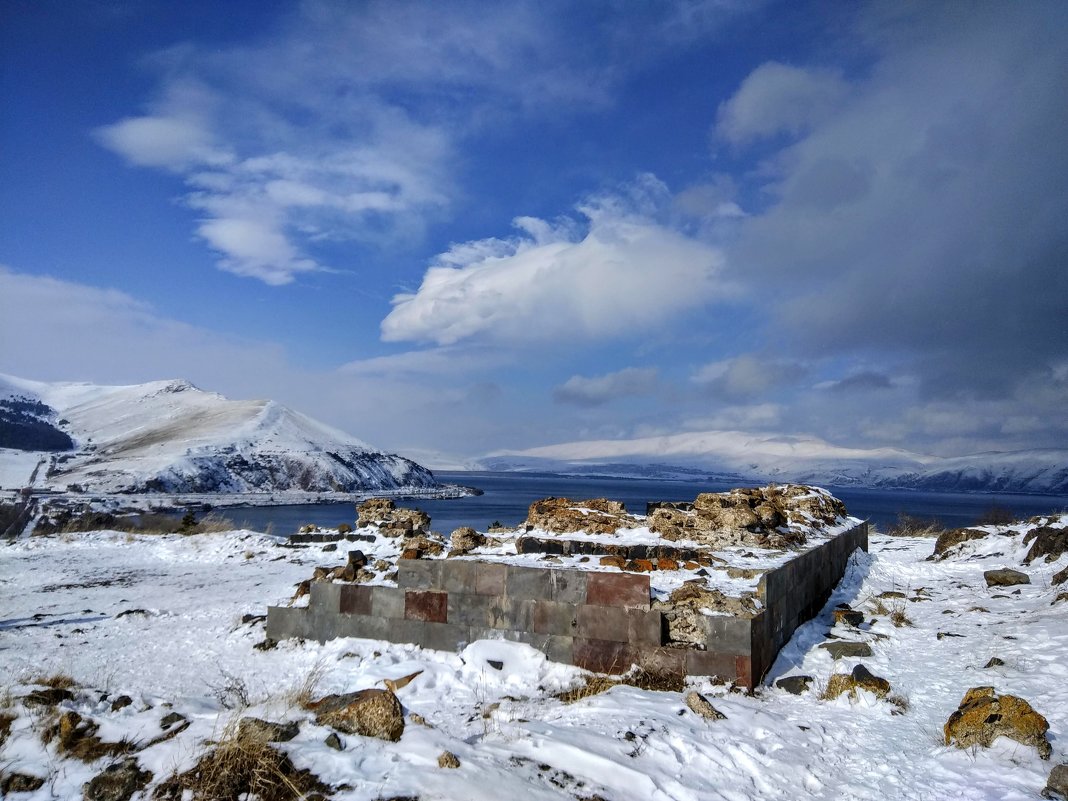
(663, 660)
(568, 586)
(490, 578)
(325, 595)
(459, 576)
(551, 617)
(617, 589)
(527, 583)
(732, 635)
(445, 636)
(284, 622)
(468, 609)
(710, 663)
(322, 626)
(387, 602)
(366, 627)
(603, 623)
(355, 599)
(426, 605)
(399, 631)
(512, 614)
(602, 656)
(419, 574)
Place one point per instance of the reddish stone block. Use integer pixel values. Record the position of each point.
(613, 561)
(602, 656)
(641, 565)
(426, 605)
(743, 669)
(355, 600)
(663, 563)
(618, 589)
(490, 578)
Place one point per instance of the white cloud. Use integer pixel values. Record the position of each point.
(778, 98)
(747, 376)
(624, 273)
(599, 390)
(162, 141)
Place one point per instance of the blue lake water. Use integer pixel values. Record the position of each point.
(506, 497)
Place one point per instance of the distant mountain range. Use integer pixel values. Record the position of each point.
(741, 456)
(169, 436)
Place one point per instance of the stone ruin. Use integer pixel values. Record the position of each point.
(713, 587)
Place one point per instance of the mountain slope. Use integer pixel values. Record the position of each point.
(169, 436)
(763, 457)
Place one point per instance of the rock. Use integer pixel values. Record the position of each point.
(1005, 577)
(48, 697)
(892, 594)
(371, 713)
(1057, 783)
(983, 716)
(392, 521)
(448, 760)
(795, 685)
(1061, 596)
(465, 539)
(121, 702)
(357, 559)
(849, 617)
(613, 561)
(170, 719)
(333, 741)
(1046, 541)
(564, 516)
(19, 783)
(664, 563)
(843, 649)
(954, 537)
(424, 544)
(267, 731)
(702, 706)
(118, 782)
(994, 662)
(860, 678)
(331, 546)
(1060, 577)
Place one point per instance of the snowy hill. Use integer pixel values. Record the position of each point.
(169, 436)
(764, 457)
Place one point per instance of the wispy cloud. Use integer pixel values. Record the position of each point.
(599, 390)
(616, 272)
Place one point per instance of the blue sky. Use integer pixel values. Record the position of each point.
(459, 227)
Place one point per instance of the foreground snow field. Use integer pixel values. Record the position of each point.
(158, 618)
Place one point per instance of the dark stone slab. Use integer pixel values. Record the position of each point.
(459, 576)
(325, 595)
(663, 660)
(530, 583)
(355, 599)
(795, 685)
(1005, 577)
(419, 574)
(843, 649)
(426, 605)
(490, 578)
(618, 589)
(387, 602)
(468, 609)
(550, 617)
(711, 663)
(284, 622)
(568, 586)
(602, 656)
(445, 636)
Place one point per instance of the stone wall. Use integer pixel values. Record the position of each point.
(600, 621)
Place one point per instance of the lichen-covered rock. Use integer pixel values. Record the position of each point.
(859, 679)
(1057, 783)
(983, 716)
(371, 713)
(463, 540)
(565, 516)
(844, 649)
(703, 707)
(421, 545)
(267, 731)
(19, 783)
(391, 521)
(1005, 577)
(118, 782)
(950, 539)
(795, 685)
(448, 759)
(1046, 541)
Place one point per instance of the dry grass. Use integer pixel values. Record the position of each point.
(6, 719)
(76, 737)
(243, 764)
(878, 607)
(591, 686)
(898, 616)
(57, 681)
(306, 691)
(642, 679)
(912, 526)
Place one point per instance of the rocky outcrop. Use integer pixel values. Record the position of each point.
(118, 782)
(463, 540)
(1005, 577)
(983, 716)
(948, 540)
(391, 521)
(564, 516)
(750, 517)
(859, 679)
(1046, 541)
(371, 713)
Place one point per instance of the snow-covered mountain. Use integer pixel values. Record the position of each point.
(169, 436)
(763, 457)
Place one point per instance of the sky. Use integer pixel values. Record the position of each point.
(457, 228)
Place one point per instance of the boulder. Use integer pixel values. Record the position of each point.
(371, 713)
(950, 539)
(464, 540)
(118, 782)
(1057, 783)
(267, 731)
(702, 706)
(795, 685)
(565, 516)
(860, 678)
(448, 760)
(848, 617)
(983, 716)
(844, 649)
(1060, 577)
(19, 783)
(1046, 541)
(1005, 577)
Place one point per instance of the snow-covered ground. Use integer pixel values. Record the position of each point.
(182, 647)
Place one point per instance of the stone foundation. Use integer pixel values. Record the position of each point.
(598, 620)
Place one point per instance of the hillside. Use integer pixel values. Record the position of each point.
(170, 437)
(740, 455)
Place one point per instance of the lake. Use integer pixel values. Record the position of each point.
(506, 497)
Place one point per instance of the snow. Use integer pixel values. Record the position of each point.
(60, 601)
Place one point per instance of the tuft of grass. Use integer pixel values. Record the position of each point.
(6, 719)
(590, 686)
(242, 764)
(643, 679)
(57, 681)
(898, 617)
(307, 689)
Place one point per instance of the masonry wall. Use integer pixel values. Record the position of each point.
(600, 621)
